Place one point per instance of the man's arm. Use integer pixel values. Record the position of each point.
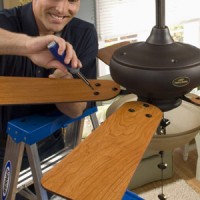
(35, 48)
(71, 109)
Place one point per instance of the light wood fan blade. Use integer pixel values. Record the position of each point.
(105, 54)
(196, 100)
(101, 167)
(21, 90)
(192, 98)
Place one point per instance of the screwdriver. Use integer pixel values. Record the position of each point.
(53, 47)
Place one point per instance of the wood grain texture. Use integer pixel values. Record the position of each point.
(20, 90)
(101, 167)
(105, 54)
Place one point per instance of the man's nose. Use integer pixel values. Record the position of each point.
(63, 6)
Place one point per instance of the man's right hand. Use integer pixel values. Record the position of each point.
(35, 48)
(40, 55)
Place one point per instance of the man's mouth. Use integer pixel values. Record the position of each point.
(57, 18)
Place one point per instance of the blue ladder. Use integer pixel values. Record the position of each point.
(24, 133)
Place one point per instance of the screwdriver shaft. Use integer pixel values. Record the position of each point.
(53, 47)
(84, 79)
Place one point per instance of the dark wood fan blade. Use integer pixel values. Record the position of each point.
(20, 90)
(101, 166)
(105, 54)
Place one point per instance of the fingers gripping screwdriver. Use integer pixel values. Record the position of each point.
(53, 47)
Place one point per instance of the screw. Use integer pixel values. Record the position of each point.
(174, 60)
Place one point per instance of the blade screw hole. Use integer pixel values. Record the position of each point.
(97, 84)
(148, 115)
(96, 93)
(131, 110)
(114, 89)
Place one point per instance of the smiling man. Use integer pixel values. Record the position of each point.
(25, 32)
(52, 16)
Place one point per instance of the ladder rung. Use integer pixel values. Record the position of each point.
(25, 176)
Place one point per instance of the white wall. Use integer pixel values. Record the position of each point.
(1, 4)
(87, 11)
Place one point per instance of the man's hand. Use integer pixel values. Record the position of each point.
(35, 48)
(40, 55)
(71, 109)
(60, 74)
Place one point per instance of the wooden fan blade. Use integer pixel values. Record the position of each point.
(102, 165)
(105, 54)
(20, 90)
(192, 98)
(195, 100)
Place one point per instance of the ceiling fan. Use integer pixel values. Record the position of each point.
(159, 71)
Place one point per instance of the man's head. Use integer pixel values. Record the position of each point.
(52, 15)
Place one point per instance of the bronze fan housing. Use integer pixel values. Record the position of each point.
(159, 70)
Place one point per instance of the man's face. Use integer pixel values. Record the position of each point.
(52, 15)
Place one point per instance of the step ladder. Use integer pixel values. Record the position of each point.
(23, 134)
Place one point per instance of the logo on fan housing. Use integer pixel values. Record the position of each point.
(181, 81)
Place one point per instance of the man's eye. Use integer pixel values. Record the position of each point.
(73, 1)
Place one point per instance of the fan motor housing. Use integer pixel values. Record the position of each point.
(157, 73)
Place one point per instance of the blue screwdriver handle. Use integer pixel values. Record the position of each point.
(53, 47)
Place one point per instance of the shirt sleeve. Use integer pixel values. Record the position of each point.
(9, 20)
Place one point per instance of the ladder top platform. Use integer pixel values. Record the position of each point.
(33, 128)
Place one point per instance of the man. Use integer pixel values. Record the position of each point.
(25, 33)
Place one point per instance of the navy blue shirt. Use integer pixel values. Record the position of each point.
(82, 35)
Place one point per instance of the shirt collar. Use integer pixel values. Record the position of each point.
(29, 25)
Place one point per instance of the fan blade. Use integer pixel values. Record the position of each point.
(192, 98)
(196, 100)
(105, 54)
(21, 90)
(103, 164)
